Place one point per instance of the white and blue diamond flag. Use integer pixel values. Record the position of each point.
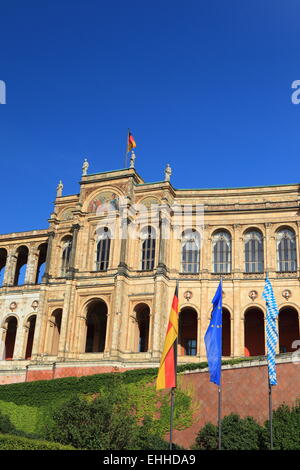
(272, 333)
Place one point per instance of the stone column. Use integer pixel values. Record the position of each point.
(46, 275)
(297, 232)
(19, 342)
(31, 270)
(64, 338)
(207, 251)
(238, 251)
(241, 320)
(119, 316)
(2, 343)
(72, 270)
(9, 267)
(39, 340)
(164, 234)
(12, 264)
(198, 335)
(237, 338)
(270, 250)
(206, 308)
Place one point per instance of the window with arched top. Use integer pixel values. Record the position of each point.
(66, 255)
(42, 250)
(190, 251)
(3, 259)
(21, 265)
(286, 250)
(221, 245)
(148, 237)
(254, 252)
(103, 250)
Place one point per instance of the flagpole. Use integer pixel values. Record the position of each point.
(220, 390)
(173, 388)
(270, 400)
(172, 416)
(126, 153)
(270, 415)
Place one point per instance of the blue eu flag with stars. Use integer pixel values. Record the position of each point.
(213, 338)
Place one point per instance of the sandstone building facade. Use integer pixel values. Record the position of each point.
(97, 285)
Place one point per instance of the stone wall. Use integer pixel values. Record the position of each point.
(244, 391)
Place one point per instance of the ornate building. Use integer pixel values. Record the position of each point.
(97, 285)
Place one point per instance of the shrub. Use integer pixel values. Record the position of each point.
(105, 423)
(6, 427)
(237, 434)
(108, 422)
(8, 442)
(286, 428)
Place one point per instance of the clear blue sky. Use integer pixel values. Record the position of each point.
(203, 85)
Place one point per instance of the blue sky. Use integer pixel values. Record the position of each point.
(203, 85)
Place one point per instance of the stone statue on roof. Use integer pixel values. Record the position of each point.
(59, 189)
(168, 172)
(85, 167)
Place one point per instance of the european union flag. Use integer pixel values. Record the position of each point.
(213, 338)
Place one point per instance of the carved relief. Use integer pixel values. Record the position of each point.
(253, 294)
(286, 294)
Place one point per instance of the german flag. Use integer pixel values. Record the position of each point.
(167, 370)
(130, 142)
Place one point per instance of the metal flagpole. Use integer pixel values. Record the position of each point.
(270, 415)
(173, 388)
(171, 416)
(219, 415)
(126, 153)
(220, 387)
(270, 401)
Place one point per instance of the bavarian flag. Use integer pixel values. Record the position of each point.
(130, 142)
(167, 370)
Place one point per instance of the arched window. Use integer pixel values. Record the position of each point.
(96, 321)
(41, 262)
(142, 313)
(254, 252)
(21, 266)
(187, 335)
(221, 243)
(288, 323)
(148, 236)
(66, 255)
(54, 333)
(103, 249)
(254, 332)
(10, 338)
(286, 250)
(30, 336)
(3, 259)
(190, 251)
(226, 333)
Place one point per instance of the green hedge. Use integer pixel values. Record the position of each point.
(8, 442)
(42, 392)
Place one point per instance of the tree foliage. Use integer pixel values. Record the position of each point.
(107, 422)
(286, 428)
(237, 434)
(246, 434)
